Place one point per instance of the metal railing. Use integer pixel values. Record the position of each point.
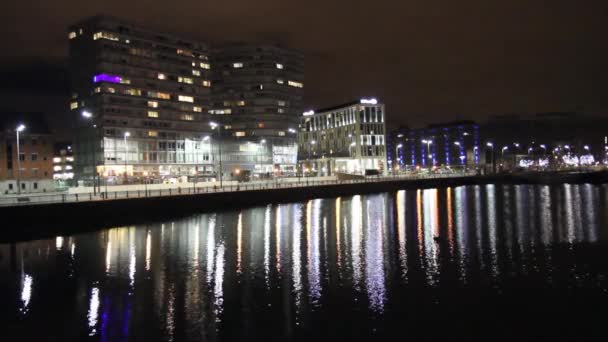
(143, 192)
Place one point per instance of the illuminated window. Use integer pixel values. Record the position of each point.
(125, 81)
(279, 66)
(57, 160)
(152, 114)
(237, 65)
(111, 90)
(295, 84)
(206, 83)
(239, 134)
(197, 109)
(280, 81)
(152, 133)
(56, 168)
(281, 103)
(281, 110)
(220, 111)
(72, 35)
(205, 65)
(228, 127)
(162, 76)
(159, 95)
(185, 53)
(196, 72)
(187, 117)
(240, 103)
(68, 167)
(105, 35)
(133, 92)
(187, 80)
(193, 64)
(227, 103)
(153, 104)
(261, 125)
(73, 105)
(97, 90)
(281, 133)
(184, 98)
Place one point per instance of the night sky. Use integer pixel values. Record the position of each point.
(428, 60)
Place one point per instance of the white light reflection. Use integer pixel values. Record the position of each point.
(431, 230)
(460, 201)
(312, 241)
(108, 254)
(278, 238)
(73, 249)
(210, 248)
(338, 233)
(218, 288)
(148, 250)
(196, 248)
(267, 215)
(401, 237)
(93, 313)
(491, 201)
(239, 243)
(59, 242)
(296, 256)
(374, 257)
(26, 291)
(132, 257)
(356, 238)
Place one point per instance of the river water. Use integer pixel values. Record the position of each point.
(490, 262)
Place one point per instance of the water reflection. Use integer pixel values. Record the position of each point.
(215, 275)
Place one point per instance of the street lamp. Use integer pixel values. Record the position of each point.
(89, 116)
(126, 135)
(219, 133)
(491, 146)
(428, 147)
(19, 129)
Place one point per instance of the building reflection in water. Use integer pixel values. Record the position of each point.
(192, 275)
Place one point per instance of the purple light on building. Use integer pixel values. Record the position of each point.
(106, 78)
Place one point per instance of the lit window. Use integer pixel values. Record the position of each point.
(105, 35)
(295, 84)
(97, 90)
(162, 96)
(70, 159)
(133, 92)
(281, 133)
(56, 168)
(237, 65)
(197, 109)
(162, 76)
(227, 103)
(111, 90)
(193, 64)
(239, 134)
(261, 125)
(187, 117)
(72, 35)
(281, 103)
(205, 65)
(125, 81)
(187, 80)
(240, 103)
(153, 104)
(220, 111)
(279, 66)
(206, 83)
(152, 133)
(280, 81)
(184, 98)
(228, 127)
(281, 110)
(152, 114)
(196, 72)
(185, 53)
(68, 167)
(73, 105)
(57, 160)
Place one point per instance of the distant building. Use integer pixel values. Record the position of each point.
(257, 94)
(33, 172)
(63, 164)
(452, 144)
(349, 138)
(140, 99)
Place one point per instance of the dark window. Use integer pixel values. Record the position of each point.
(34, 156)
(35, 185)
(21, 156)
(10, 186)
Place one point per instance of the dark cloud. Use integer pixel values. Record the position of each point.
(429, 60)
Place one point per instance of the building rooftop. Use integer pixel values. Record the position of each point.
(348, 104)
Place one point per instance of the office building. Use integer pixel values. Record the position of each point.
(349, 138)
(29, 168)
(140, 100)
(257, 94)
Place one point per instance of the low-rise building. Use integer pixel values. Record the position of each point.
(348, 138)
(26, 167)
(63, 164)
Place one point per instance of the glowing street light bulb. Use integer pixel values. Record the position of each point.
(87, 114)
(489, 144)
(457, 143)
(20, 128)
(127, 134)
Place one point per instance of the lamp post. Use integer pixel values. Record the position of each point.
(491, 146)
(215, 125)
(397, 156)
(126, 135)
(88, 116)
(19, 129)
(428, 148)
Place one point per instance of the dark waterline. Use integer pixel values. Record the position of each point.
(494, 262)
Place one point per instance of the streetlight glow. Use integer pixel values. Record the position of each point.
(87, 114)
(20, 128)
